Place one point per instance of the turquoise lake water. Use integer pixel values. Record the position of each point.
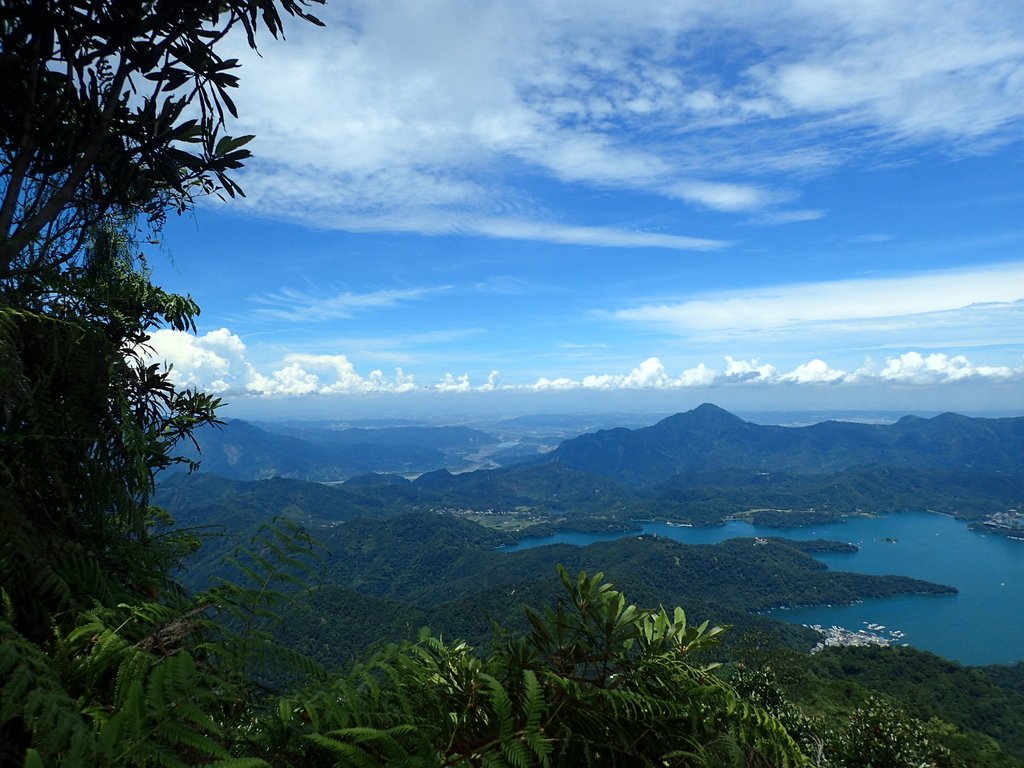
(983, 624)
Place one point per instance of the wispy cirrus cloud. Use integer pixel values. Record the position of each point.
(979, 301)
(445, 117)
(290, 305)
(607, 237)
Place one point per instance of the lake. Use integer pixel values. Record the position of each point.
(984, 624)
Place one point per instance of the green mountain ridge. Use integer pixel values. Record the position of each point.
(398, 554)
(709, 438)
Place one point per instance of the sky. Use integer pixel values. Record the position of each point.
(474, 205)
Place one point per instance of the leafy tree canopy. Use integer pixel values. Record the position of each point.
(114, 107)
(112, 113)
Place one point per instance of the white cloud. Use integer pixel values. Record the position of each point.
(217, 362)
(936, 368)
(435, 117)
(650, 374)
(291, 380)
(296, 306)
(911, 368)
(747, 372)
(492, 383)
(593, 236)
(560, 384)
(454, 383)
(721, 196)
(214, 362)
(812, 372)
(952, 72)
(853, 305)
(775, 218)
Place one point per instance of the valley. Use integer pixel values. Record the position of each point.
(722, 479)
(764, 529)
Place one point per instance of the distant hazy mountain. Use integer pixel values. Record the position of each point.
(700, 467)
(243, 451)
(709, 439)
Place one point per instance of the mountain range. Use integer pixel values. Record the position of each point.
(241, 450)
(709, 438)
(698, 467)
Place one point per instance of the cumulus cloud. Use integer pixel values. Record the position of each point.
(217, 362)
(214, 362)
(911, 368)
(454, 383)
(650, 374)
(747, 371)
(936, 368)
(813, 372)
(493, 379)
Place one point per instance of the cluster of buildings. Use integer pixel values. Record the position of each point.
(835, 636)
(1009, 523)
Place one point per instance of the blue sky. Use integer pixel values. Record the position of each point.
(456, 206)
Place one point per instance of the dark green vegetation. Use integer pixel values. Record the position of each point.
(111, 114)
(981, 699)
(85, 422)
(593, 680)
(446, 568)
(699, 467)
(708, 439)
(962, 716)
(439, 571)
(707, 463)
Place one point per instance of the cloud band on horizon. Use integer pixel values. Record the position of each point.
(217, 362)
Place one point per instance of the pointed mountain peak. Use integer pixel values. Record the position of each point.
(704, 415)
(701, 419)
(712, 411)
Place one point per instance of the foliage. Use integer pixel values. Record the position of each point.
(111, 113)
(843, 725)
(931, 686)
(881, 735)
(596, 680)
(86, 422)
(114, 108)
(898, 704)
(152, 683)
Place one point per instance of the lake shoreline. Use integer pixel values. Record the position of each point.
(933, 546)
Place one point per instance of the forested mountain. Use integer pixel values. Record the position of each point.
(397, 554)
(378, 581)
(709, 439)
(426, 560)
(697, 467)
